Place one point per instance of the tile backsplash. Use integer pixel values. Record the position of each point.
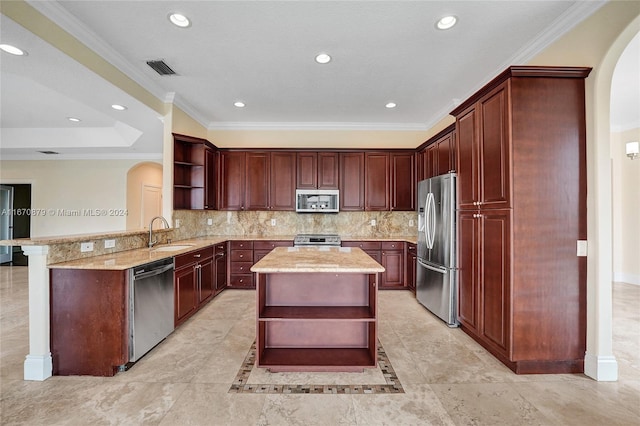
(265, 223)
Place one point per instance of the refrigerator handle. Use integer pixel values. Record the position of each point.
(440, 269)
(431, 221)
(427, 219)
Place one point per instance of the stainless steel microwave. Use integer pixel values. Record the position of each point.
(317, 200)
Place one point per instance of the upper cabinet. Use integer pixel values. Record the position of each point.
(376, 181)
(193, 166)
(403, 181)
(437, 156)
(317, 170)
(352, 173)
(257, 180)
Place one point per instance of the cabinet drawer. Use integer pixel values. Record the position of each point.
(259, 254)
(220, 248)
(242, 255)
(193, 257)
(240, 267)
(241, 280)
(239, 245)
(270, 245)
(392, 245)
(364, 245)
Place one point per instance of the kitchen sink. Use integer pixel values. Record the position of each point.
(174, 247)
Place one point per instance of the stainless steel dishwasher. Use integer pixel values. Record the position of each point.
(151, 306)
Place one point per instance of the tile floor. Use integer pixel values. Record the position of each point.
(447, 378)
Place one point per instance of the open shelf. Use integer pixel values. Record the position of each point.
(284, 313)
(317, 359)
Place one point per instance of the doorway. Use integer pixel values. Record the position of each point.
(15, 221)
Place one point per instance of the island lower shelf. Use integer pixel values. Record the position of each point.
(316, 321)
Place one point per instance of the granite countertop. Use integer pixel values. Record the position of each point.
(317, 259)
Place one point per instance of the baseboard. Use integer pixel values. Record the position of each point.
(38, 367)
(601, 368)
(621, 277)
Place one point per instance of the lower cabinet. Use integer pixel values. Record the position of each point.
(220, 260)
(89, 321)
(240, 263)
(389, 254)
(193, 282)
(412, 259)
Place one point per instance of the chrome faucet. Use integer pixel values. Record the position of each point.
(166, 225)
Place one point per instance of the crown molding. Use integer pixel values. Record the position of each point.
(397, 127)
(36, 156)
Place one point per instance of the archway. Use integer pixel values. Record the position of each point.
(144, 194)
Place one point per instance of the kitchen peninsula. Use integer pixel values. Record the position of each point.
(316, 309)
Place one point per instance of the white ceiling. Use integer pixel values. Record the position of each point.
(262, 53)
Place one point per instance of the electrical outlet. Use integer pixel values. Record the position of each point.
(177, 223)
(209, 221)
(582, 248)
(373, 222)
(109, 243)
(84, 247)
(273, 222)
(411, 222)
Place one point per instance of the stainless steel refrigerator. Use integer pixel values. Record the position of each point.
(436, 275)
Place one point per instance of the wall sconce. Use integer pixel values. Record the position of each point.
(633, 150)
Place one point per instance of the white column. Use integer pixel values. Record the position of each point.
(38, 364)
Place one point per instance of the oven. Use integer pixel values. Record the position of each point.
(317, 240)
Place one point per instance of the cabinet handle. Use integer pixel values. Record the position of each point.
(197, 255)
(242, 255)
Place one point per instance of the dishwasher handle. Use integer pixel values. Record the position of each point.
(153, 272)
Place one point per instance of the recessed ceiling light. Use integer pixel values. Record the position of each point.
(75, 120)
(446, 22)
(239, 104)
(179, 20)
(323, 58)
(118, 107)
(390, 105)
(12, 49)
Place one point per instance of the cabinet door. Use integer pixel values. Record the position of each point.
(411, 266)
(495, 277)
(494, 149)
(206, 284)
(377, 188)
(220, 269)
(257, 181)
(307, 170)
(393, 262)
(232, 180)
(186, 298)
(328, 170)
(352, 181)
(444, 155)
(468, 269)
(283, 181)
(467, 135)
(210, 183)
(403, 182)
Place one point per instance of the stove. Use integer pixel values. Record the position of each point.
(317, 240)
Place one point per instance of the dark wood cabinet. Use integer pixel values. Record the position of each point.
(522, 198)
(317, 170)
(411, 262)
(231, 186)
(240, 262)
(445, 158)
(194, 283)
(258, 169)
(262, 248)
(220, 266)
(89, 321)
(403, 181)
(351, 181)
(393, 260)
(376, 181)
(437, 156)
(194, 167)
(282, 193)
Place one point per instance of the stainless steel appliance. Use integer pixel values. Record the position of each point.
(317, 240)
(150, 306)
(436, 275)
(317, 200)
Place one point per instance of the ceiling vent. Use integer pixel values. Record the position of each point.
(49, 152)
(161, 67)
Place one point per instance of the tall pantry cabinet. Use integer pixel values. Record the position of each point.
(522, 208)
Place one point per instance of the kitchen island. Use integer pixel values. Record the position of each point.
(316, 309)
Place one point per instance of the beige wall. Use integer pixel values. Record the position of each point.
(64, 189)
(626, 209)
(138, 176)
(183, 124)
